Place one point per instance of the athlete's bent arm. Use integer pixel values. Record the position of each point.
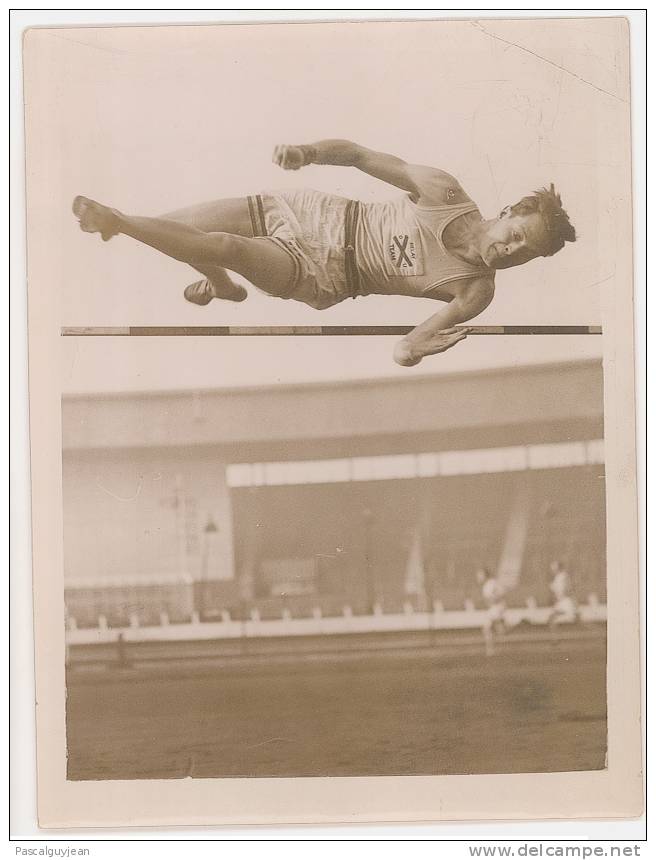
(422, 183)
(437, 333)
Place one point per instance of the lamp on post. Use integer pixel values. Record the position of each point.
(209, 531)
(368, 524)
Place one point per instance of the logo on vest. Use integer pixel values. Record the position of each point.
(403, 254)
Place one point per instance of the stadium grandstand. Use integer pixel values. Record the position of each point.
(317, 508)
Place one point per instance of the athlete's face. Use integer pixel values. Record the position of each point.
(512, 240)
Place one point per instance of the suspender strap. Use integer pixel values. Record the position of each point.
(256, 211)
(351, 269)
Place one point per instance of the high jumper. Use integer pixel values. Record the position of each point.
(320, 248)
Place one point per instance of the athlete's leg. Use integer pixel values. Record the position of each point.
(217, 216)
(230, 216)
(262, 263)
(488, 638)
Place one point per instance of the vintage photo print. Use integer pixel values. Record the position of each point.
(332, 421)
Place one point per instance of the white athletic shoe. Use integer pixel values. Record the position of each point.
(202, 292)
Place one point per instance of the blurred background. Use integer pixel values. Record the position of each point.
(316, 496)
(281, 580)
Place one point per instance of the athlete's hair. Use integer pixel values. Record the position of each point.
(547, 203)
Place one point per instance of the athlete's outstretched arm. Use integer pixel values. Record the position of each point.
(429, 184)
(436, 334)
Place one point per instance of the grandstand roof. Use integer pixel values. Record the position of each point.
(472, 408)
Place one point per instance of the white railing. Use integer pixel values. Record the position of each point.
(347, 622)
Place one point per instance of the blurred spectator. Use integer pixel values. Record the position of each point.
(493, 594)
(564, 610)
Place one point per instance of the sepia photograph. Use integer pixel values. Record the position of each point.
(331, 341)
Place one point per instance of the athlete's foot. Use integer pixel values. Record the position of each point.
(96, 218)
(202, 292)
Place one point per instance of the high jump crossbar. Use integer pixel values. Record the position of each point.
(310, 330)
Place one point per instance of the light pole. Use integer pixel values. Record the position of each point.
(210, 529)
(368, 523)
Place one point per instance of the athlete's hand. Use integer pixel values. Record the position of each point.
(443, 340)
(409, 352)
(289, 157)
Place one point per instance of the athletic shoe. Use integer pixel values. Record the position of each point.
(200, 293)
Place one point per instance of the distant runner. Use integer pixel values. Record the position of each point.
(493, 594)
(564, 609)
